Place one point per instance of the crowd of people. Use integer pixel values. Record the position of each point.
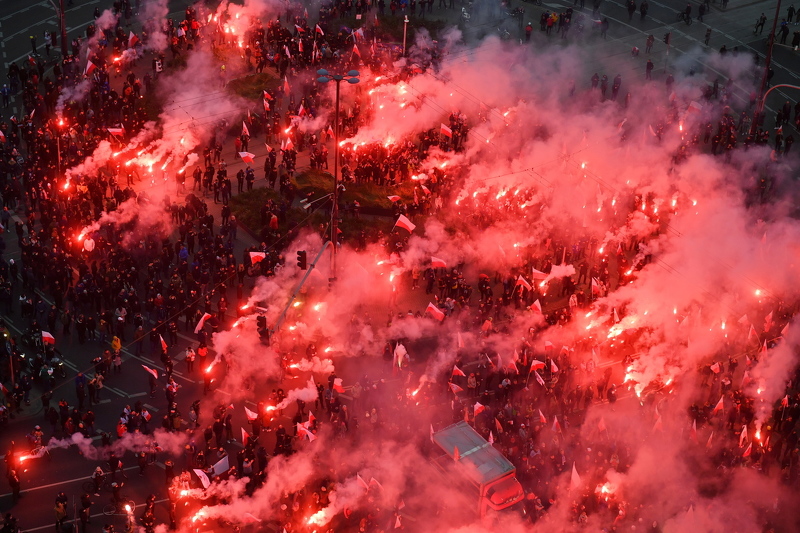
(131, 287)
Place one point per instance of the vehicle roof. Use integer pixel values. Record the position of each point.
(481, 461)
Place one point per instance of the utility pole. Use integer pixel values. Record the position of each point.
(62, 26)
(761, 96)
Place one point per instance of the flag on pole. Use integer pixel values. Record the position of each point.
(152, 371)
(537, 305)
(48, 338)
(524, 283)
(743, 436)
(435, 312)
(715, 368)
(437, 263)
(455, 388)
(491, 438)
(536, 365)
(719, 406)
(337, 385)
(498, 426)
(479, 408)
(538, 274)
(710, 438)
(245, 131)
(247, 157)
(785, 330)
(539, 379)
(221, 466)
(245, 437)
(556, 425)
(768, 322)
(601, 425)
(132, 40)
(748, 450)
(90, 67)
(250, 414)
(405, 223)
(203, 477)
(575, 482)
(361, 479)
(116, 131)
(393, 198)
(397, 523)
(319, 30)
(199, 326)
(286, 88)
(257, 257)
(595, 286)
(542, 418)
(785, 401)
(553, 367)
(458, 372)
(163, 343)
(693, 433)
(446, 131)
(356, 51)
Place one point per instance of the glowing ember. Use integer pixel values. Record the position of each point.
(208, 368)
(296, 304)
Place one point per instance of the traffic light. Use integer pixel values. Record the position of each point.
(261, 322)
(667, 38)
(302, 260)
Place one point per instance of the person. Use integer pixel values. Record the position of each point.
(61, 514)
(528, 31)
(708, 36)
(643, 9)
(760, 24)
(784, 31)
(649, 44)
(97, 478)
(14, 482)
(604, 27)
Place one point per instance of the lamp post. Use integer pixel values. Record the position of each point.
(767, 62)
(352, 78)
(62, 26)
(405, 29)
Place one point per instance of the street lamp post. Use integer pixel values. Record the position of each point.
(325, 77)
(62, 26)
(405, 29)
(765, 77)
(58, 146)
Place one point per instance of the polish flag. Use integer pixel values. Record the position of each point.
(601, 426)
(437, 263)
(405, 223)
(456, 455)
(245, 131)
(498, 426)
(90, 67)
(132, 40)
(435, 312)
(744, 320)
(538, 274)
(512, 366)
(715, 368)
(537, 365)
(257, 257)
(267, 96)
(542, 418)
(491, 438)
(48, 338)
(299, 29)
(752, 333)
(152, 371)
(768, 322)
(785, 330)
(362, 482)
(447, 132)
(458, 372)
(203, 478)
(245, 437)
(522, 281)
(785, 401)
(199, 325)
(286, 88)
(575, 482)
(397, 523)
(748, 450)
(250, 414)
(693, 433)
(163, 343)
(479, 408)
(595, 286)
(556, 425)
(553, 367)
(331, 134)
(539, 379)
(247, 157)
(319, 30)
(537, 305)
(393, 198)
(710, 438)
(455, 388)
(116, 131)
(337, 385)
(743, 436)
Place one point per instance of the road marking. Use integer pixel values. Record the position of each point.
(151, 408)
(137, 394)
(57, 483)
